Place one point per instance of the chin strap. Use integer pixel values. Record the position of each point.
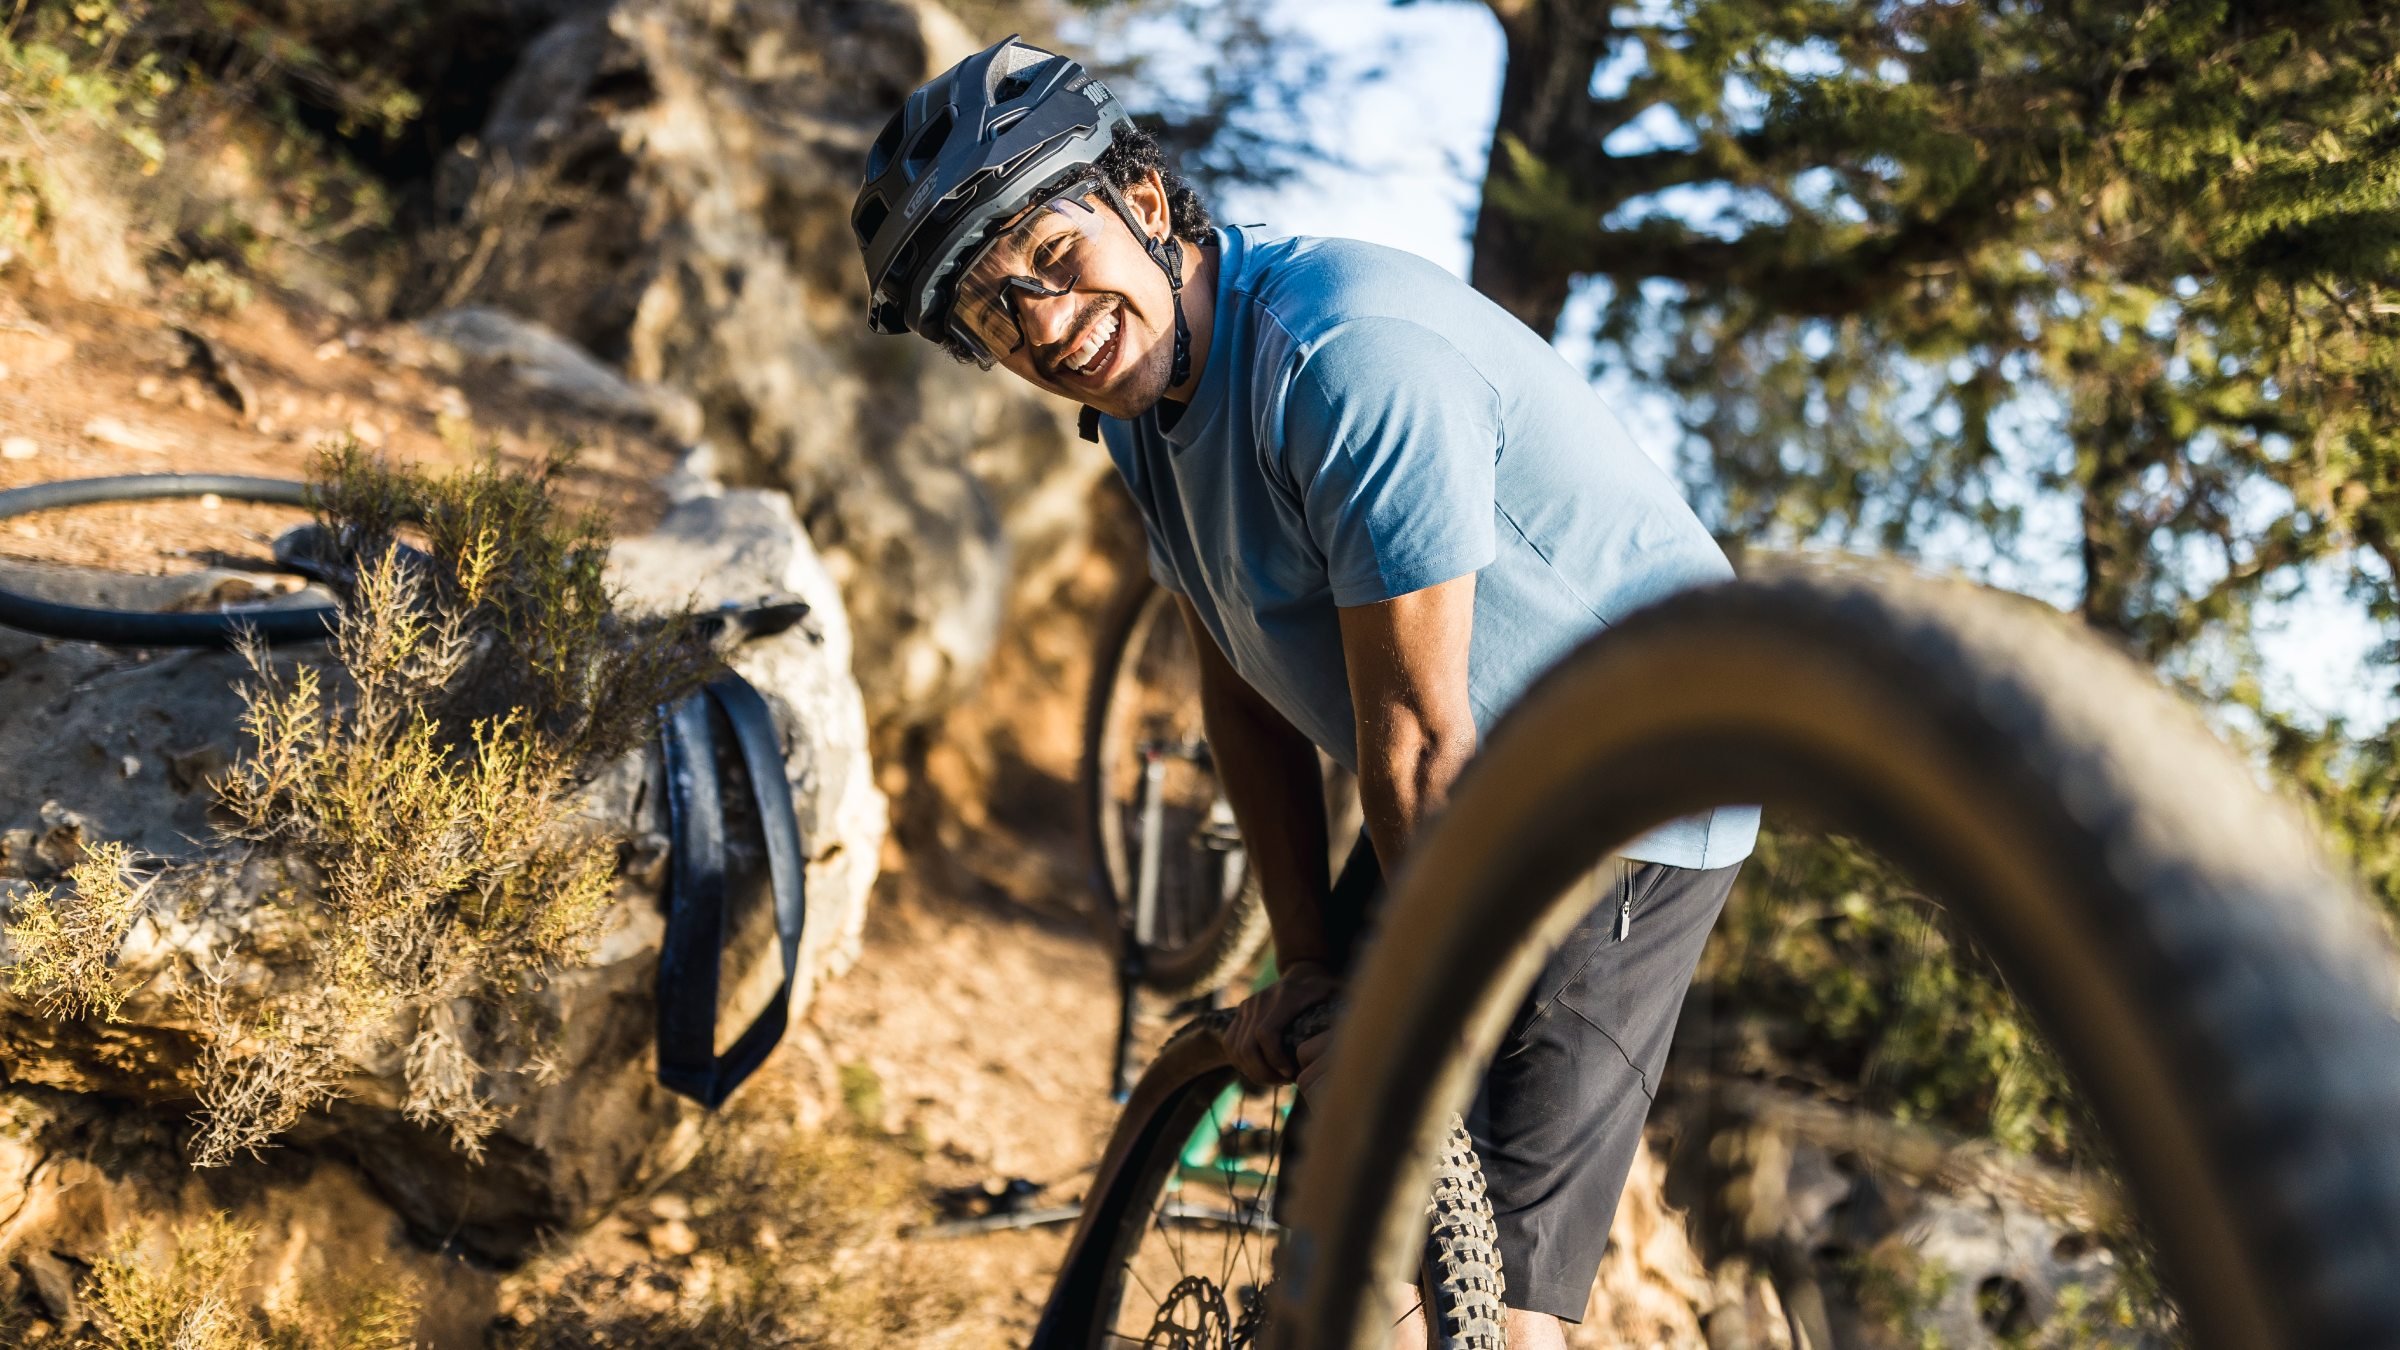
(1169, 257)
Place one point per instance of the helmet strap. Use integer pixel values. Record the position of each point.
(1169, 257)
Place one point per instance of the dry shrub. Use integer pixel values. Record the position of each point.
(77, 114)
(197, 1299)
(64, 948)
(796, 1245)
(192, 1302)
(425, 779)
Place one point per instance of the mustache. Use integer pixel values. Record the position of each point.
(1084, 319)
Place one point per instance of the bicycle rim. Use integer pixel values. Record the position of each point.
(2218, 996)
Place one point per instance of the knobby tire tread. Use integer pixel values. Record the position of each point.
(2221, 997)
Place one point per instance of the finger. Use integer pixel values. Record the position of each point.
(1313, 1072)
(1243, 1050)
(1287, 1064)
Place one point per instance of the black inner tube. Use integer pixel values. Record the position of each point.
(136, 628)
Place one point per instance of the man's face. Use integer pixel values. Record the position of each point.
(1109, 341)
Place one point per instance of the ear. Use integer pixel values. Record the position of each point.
(1146, 197)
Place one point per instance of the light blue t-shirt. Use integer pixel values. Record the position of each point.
(1367, 426)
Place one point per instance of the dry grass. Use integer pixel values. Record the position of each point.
(425, 779)
(794, 1244)
(186, 1289)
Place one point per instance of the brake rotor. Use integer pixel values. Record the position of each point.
(1193, 1316)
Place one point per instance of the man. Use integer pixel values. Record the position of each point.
(1385, 506)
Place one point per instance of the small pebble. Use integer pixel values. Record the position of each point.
(150, 388)
(673, 1237)
(366, 433)
(19, 447)
(210, 501)
(124, 435)
(4, 370)
(129, 766)
(330, 348)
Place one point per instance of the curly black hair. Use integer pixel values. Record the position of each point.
(1134, 154)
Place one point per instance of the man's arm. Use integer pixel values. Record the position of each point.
(1270, 775)
(1407, 660)
(1407, 664)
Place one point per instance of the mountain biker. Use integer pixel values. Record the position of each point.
(1384, 506)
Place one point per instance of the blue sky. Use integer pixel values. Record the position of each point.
(1418, 139)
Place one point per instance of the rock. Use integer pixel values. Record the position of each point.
(190, 770)
(30, 349)
(711, 149)
(575, 1139)
(1898, 1235)
(125, 435)
(216, 369)
(53, 1284)
(19, 447)
(543, 361)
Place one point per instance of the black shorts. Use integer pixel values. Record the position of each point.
(1559, 1119)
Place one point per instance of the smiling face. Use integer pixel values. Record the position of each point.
(1108, 341)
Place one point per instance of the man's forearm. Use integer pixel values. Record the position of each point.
(1270, 776)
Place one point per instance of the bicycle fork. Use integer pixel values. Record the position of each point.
(1141, 926)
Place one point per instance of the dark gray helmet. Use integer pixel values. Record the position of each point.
(969, 149)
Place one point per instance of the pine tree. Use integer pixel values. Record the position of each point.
(1911, 269)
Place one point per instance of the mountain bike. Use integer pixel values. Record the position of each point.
(2220, 996)
(1179, 1243)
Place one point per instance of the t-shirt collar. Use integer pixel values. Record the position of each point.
(1209, 399)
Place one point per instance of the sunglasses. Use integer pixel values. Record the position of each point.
(1040, 252)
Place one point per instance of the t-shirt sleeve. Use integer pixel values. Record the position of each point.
(1392, 437)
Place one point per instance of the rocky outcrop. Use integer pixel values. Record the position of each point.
(113, 745)
(669, 183)
(1870, 1233)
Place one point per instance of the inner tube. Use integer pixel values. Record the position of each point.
(137, 628)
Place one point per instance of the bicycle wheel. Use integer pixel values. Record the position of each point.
(1180, 1242)
(1147, 776)
(2219, 996)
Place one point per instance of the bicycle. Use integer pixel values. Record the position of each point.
(2220, 997)
(1177, 1244)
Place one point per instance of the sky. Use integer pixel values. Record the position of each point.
(1418, 138)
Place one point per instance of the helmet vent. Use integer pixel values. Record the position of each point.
(928, 144)
(869, 218)
(887, 144)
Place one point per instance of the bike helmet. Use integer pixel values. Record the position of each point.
(969, 149)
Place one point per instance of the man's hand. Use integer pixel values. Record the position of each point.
(1256, 1039)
